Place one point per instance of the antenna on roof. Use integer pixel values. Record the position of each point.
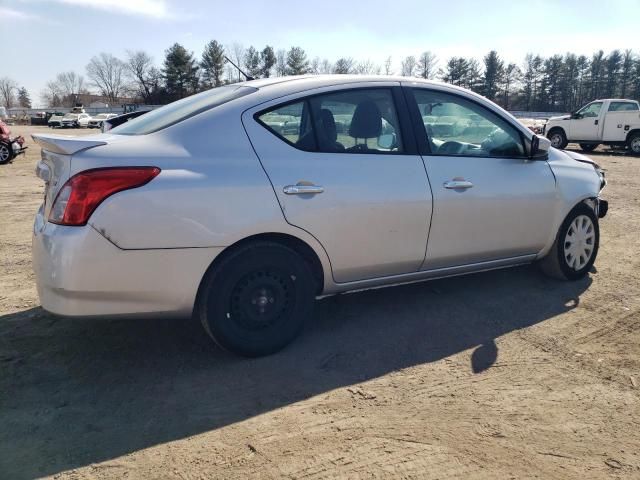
(249, 77)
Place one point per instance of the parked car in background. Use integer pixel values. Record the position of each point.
(203, 206)
(10, 147)
(75, 120)
(120, 119)
(55, 120)
(614, 122)
(96, 120)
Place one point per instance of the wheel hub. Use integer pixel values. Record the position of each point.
(579, 242)
(635, 145)
(260, 299)
(4, 153)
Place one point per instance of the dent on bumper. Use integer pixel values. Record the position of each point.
(80, 273)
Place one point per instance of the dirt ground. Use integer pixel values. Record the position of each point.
(498, 375)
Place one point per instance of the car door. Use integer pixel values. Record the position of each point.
(344, 167)
(585, 124)
(490, 201)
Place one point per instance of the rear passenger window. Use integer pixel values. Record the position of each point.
(353, 121)
(623, 107)
(291, 123)
(357, 121)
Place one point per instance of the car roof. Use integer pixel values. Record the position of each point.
(334, 79)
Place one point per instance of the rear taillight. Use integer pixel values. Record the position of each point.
(83, 192)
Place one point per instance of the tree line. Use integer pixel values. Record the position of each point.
(556, 83)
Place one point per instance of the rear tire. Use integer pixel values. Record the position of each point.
(634, 143)
(257, 300)
(575, 248)
(589, 147)
(557, 138)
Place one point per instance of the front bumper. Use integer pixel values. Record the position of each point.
(603, 207)
(80, 273)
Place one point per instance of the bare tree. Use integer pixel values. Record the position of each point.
(427, 63)
(143, 74)
(367, 67)
(408, 66)
(8, 88)
(314, 66)
(108, 74)
(281, 63)
(50, 95)
(238, 53)
(64, 90)
(388, 70)
(326, 67)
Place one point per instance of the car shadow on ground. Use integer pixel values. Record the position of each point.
(75, 392)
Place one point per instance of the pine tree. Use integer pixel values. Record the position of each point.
(180, 72)
(493, 72)
(212, 64)
(252, 62)
(267, 61)
(23, 98)
(297, 63)
(343, 66)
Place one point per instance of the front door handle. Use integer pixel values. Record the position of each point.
(302, 189)
(595, 122)
(458, 184)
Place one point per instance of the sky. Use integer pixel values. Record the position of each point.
(41, 38)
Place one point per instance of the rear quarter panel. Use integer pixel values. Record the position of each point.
(211, 191)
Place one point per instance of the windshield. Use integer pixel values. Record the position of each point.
(182, 109)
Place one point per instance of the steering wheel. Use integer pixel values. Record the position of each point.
(359, 147)
(451, 147)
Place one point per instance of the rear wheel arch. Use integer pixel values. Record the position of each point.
(299, 246)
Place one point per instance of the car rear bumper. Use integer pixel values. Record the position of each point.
(80, 273)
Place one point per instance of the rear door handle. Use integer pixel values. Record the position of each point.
(302, 189)
(458, 184)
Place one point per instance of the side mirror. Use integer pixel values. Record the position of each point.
(387, 141)
(576, 116)
(539, 147)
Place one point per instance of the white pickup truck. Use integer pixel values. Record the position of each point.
(614, 122)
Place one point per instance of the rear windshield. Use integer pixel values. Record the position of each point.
(175, 112)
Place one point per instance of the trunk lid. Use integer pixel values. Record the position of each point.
(54, 166)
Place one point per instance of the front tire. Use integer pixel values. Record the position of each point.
(257, 300)
(589, 147)
(576, 245)
(558, 138)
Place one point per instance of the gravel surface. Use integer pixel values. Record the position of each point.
(505, 374)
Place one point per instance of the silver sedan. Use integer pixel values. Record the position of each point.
(244, 203)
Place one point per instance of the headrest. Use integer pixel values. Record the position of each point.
(366, 121)
(328, 125)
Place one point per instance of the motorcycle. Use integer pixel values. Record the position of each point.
(10, 147)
